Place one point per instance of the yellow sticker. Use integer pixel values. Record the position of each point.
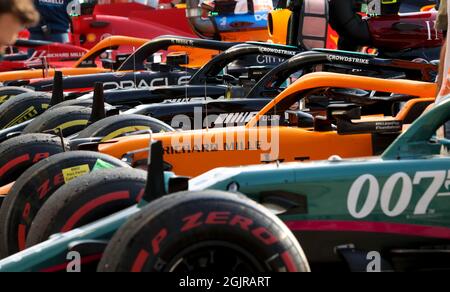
(74, 172)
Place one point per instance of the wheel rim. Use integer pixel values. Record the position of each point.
(214, 256)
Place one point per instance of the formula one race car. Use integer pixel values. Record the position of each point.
(140, 70)
(209, 99)
(90, 63)
(96, 62)
(194, 152)
(401, 36)
(93, 21)
(235, 21)
(18, 111)
(45, 54)
(343, 214)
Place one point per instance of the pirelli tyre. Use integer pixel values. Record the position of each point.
(208, 231)
(85, 200)
(70, 120)
(19, 153)
(11, 91)
(116, 126)
(38, 185)
(22, 108)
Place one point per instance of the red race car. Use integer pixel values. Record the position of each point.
(44, 55)
(97, 20)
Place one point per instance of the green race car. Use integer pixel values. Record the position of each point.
(384, 213)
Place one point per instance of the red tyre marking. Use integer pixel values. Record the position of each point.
(218, 218)
(140, 261)
(116, 196)
(157, 241)
(41, 156)
(22, 230)
(243, 222)
(22, 236)
(263, 235)
(287, 259)
(44, 189)
(13, 163)
(192, 222)
(140, 196)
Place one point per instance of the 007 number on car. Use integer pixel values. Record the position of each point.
(399, 184)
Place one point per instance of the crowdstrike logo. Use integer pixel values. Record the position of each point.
(348, 59)
(277, 51)
(182, 42)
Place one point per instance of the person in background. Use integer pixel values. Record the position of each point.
(55, 21)
(15, 16)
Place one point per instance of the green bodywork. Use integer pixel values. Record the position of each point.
(406, 190)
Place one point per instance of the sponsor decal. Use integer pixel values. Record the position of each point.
(28, 114)
(235, 118)
(348, 59)
(156, 82)
(181, 42)
(264, 59)
(277, 51)
(232, 146)
(395, 196)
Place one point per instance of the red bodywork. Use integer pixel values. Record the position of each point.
(406, 31)
(54, 55)
(129, 19)
(107, 19)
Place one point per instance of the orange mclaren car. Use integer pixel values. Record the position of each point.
(269, 136)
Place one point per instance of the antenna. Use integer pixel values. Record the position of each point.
(98, 104)
(155, 188)
(58, 89)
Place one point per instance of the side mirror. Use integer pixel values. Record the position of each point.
(344, 112)
(177, 59)
(300, 119)
(108, 64)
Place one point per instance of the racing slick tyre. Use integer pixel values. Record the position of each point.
(22, 108)
(87, 199)
(10, 91)
(70, 120)
(19, 153)
(37, 185)
(116, 126)
(209, 231)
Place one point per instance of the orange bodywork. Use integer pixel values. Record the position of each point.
(5, 190)
(197, 58)
(259, 35)
(75, 70)
(192, 153)
(278, 26)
